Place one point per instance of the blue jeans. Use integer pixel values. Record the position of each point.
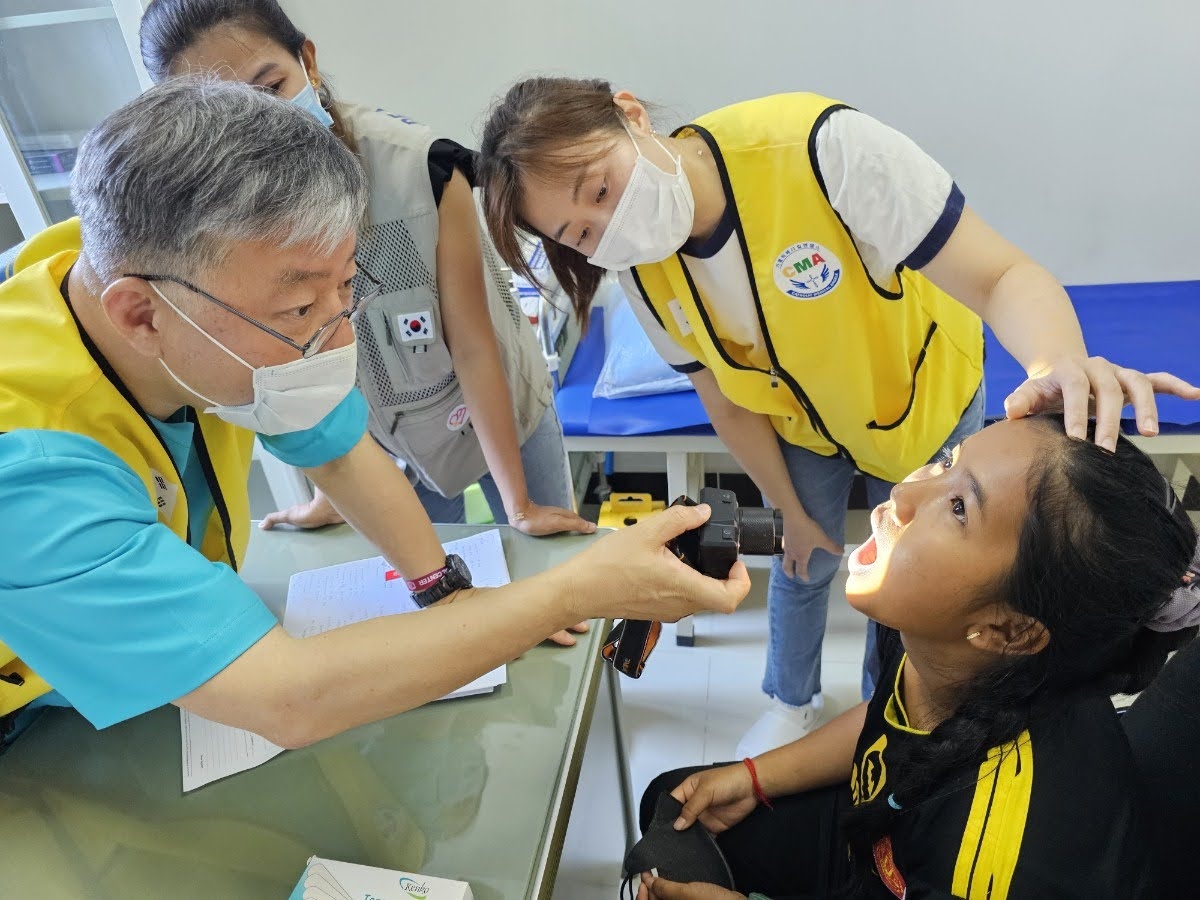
(797, 609)
(547, 477)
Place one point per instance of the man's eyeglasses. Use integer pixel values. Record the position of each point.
(314, 344)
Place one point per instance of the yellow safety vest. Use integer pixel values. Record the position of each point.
(53, 378)
(877, 374)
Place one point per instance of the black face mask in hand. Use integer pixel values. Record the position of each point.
(683, 856)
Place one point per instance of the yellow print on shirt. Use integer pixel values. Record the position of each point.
(869, 776)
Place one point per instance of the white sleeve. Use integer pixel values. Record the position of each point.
(673, 355)
(892, 195)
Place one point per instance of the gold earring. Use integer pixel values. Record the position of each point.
(316, 83)
(973, 635)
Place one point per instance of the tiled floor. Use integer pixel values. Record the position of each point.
(691, 707)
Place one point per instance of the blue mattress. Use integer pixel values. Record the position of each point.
(1149, 327)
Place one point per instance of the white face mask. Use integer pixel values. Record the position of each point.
(293, 396)
(653, 217)
(308, 100)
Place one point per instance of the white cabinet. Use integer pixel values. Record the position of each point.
(64, 66)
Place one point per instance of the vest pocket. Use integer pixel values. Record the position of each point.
(874, 424)
(438, 440)
(406, 340)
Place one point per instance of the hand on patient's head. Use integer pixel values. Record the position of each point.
(1078, 388)
(1022, 537)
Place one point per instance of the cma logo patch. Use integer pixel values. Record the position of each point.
(807, 270)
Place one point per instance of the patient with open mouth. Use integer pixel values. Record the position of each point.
(1023, 579)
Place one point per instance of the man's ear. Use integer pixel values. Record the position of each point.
(1011, 634)
(132, 309)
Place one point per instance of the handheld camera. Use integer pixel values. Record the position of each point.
(711, 549)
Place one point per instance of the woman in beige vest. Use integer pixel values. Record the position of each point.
(451, 370)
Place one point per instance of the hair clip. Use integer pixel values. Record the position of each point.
(892, 802)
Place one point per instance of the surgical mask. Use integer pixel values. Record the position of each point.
(308, 100)
(653, 217)
(293, 396)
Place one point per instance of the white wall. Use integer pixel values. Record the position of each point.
(1072, 125)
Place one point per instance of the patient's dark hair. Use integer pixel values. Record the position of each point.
(170, 27)
(1101, 551)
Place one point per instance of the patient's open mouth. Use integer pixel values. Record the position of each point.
(864, 556)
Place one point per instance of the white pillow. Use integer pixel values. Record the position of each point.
(632, 367)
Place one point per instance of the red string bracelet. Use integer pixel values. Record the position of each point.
(758, 791)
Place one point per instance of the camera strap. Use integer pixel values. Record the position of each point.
(630, 644)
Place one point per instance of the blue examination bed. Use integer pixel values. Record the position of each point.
(1149, 327)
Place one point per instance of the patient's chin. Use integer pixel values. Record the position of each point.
(863, 593)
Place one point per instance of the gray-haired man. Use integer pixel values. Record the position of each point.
(204, 295)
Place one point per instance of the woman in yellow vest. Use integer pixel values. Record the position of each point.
(821, 280)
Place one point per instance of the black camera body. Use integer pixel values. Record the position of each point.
(711, 549)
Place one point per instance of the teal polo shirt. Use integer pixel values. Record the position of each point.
(102, 600)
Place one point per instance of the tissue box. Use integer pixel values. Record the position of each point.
(327, 879)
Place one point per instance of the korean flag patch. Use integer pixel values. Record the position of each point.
(416, 327)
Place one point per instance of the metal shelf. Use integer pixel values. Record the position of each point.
(27, 197)
(34, 20)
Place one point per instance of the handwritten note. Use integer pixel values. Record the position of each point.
(320, 600)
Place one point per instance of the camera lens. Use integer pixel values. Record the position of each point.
(762, 531)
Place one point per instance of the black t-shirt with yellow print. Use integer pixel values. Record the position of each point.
(1050, 815)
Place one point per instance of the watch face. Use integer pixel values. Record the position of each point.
(458, 568)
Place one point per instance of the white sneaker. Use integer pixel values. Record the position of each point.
(779, 725)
